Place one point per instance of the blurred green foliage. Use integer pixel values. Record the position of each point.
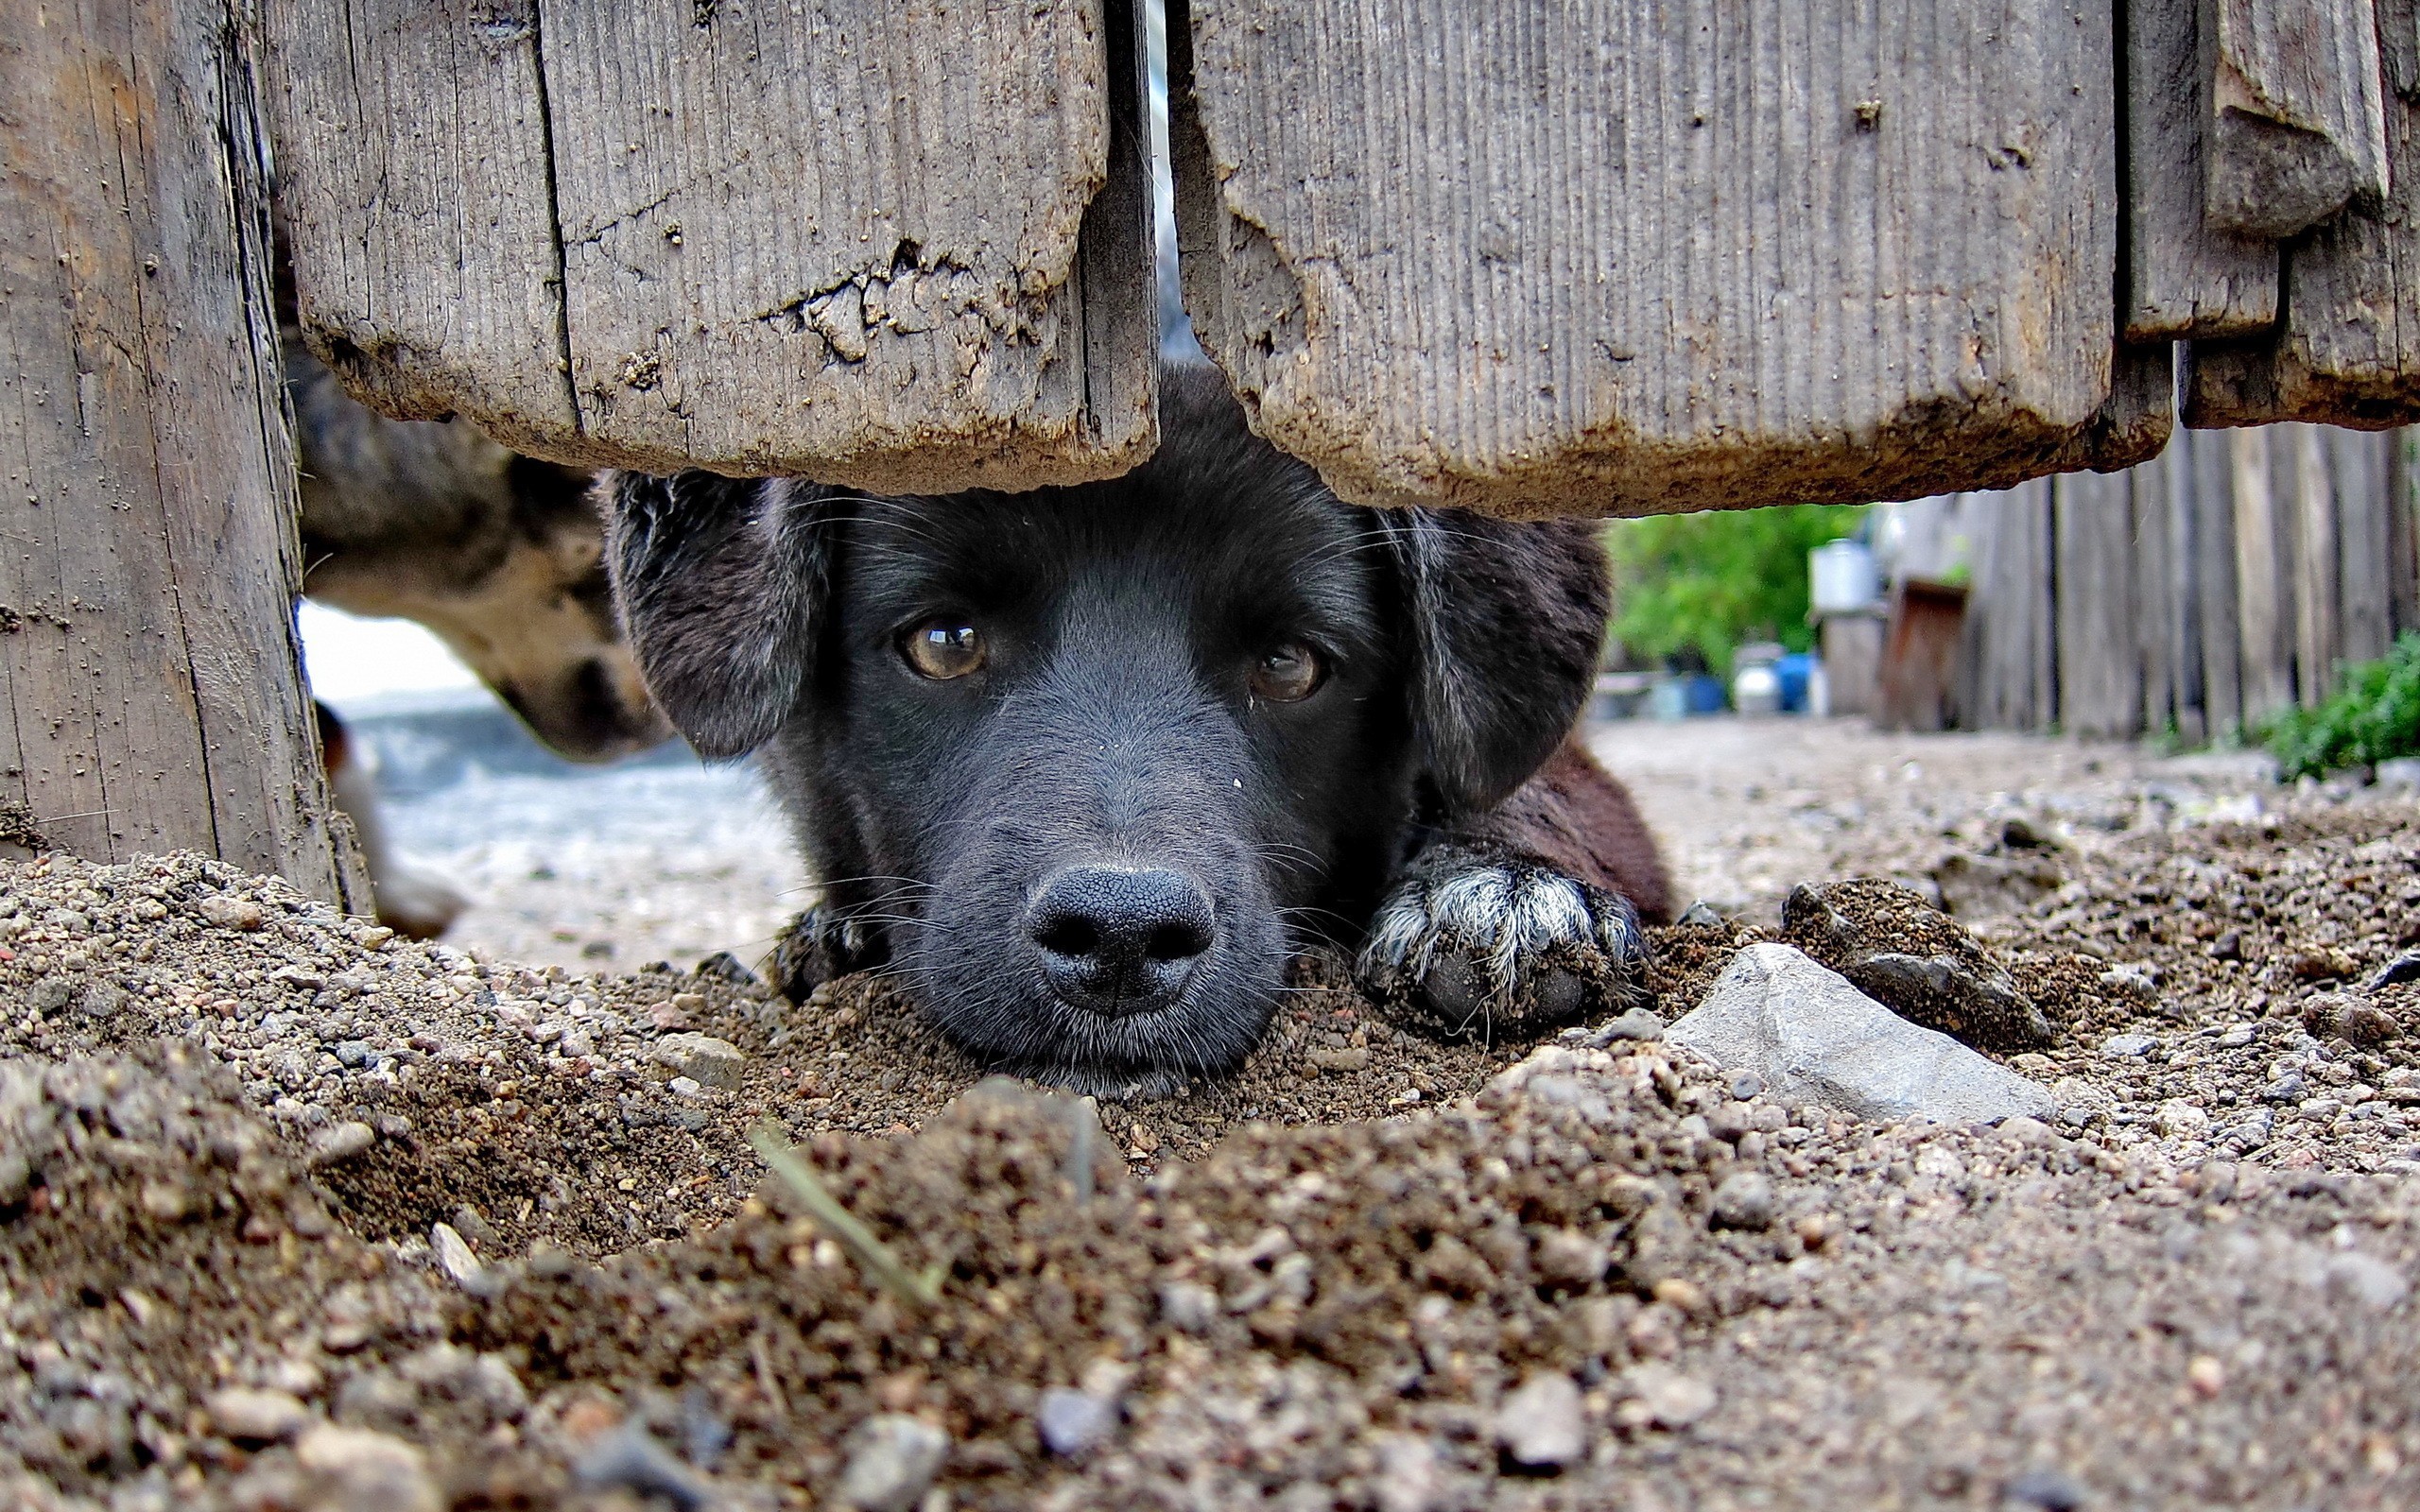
(1720, 579)
(2374, 716)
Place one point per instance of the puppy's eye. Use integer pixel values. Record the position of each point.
(942, 648)
(1289, 673)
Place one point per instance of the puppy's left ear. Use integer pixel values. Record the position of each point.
(1506, 619)
(722, 585)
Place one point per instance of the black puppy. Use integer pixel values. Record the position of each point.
(1085, 764)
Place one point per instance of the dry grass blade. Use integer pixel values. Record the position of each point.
(871, 1254)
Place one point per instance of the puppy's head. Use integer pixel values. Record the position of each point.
(1088, 761)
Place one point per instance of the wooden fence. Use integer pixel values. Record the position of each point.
(2223, 581)
(1596, 257)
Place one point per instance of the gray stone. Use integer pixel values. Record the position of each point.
(892, 1460)
(2123, 1046)
(709, 1061)
(372, 1471)
(1745, 1200)
(1073, 1422)
(260, 1417)
(1812, 1036)
(1540, 1425)
(341, 1142)
(1188, 1306)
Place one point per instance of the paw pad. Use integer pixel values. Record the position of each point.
(1485, 946)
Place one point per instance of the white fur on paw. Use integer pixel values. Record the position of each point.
(1513, 924)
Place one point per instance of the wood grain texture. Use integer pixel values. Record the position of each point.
(1620, 258)
(148, 665)
(901, 246)
(2100, 669)
(2152, 594)
(2348, 351)
(2297, 126)
(2263, 578)
(2012, 677)
(2359, 468)
(2403, 529)
(2183, 280)
(2300, 456)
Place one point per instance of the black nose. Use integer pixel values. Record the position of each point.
(1119, 941)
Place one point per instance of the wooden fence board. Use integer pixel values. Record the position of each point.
(2348, 349)
(2210, 474)
(2099, 677)
(2182, 594)
(2008, 676)
(901, 247)
(2147, 501)
(2263, 579)
(2306, 491)
(2403, 526)
(2183, 278)
(2359, 466)
(2298, 129)
(1594, 258)
(146, 590)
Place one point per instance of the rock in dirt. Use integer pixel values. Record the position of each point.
(892, 1459)
(1915, 960)
(1812, 1036)
(1666, 1397)
(702, 1057)
(1074, 1422)
(1540, 1425)
(341, 1142)
(368, 1471)
(250, 1416)
(1745, 1200)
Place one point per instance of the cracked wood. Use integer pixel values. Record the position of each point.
(900, 245)
(150, 685)
(1619, 258)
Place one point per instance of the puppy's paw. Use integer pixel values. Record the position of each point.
(820, 944)
(1473, 942)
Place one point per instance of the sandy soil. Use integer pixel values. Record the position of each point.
(294, 1214)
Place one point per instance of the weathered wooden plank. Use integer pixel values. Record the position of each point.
(1610, 257)
(2146, 493)
(2348, 351)
(2403, 526)
(2263, 579)
(2099, 674)
(2360, 464)
(147, 644)
(2010, 679)
(2210, 467)
(2300, 453)
(905, 246)
(2297, 127)
(2180, 595)
(2183, 280)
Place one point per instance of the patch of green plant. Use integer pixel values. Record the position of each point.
(1717, 580)
(2373, 716)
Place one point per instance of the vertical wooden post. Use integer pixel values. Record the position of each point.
(148, 665)
(2213, 487)
(2262, 579)
(2101, 688)
(2359, 466)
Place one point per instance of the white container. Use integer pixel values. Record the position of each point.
(1842, 578)
(1756, 690)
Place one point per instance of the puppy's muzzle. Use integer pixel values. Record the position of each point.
(1117, 941)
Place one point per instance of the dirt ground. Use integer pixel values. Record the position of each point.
(297, 1215)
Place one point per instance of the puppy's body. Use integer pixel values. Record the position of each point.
(1085, 764)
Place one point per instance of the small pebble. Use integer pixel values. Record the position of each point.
(341, 1142)
(1072, 1422)
(1745, 1200)
(1542, 1425)
(259, 1416)
(373, 1471)
(1747, 1084)
(892, 1460)
(2044, 1490)
(1665, 1397)
(702, 1057)
(454, 1256)
(2123, 1045)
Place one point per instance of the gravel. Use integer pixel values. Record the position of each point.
(237, 1131)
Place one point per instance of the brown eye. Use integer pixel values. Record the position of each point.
(1289, 673)
(942, 648)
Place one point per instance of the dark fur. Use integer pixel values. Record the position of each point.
(1115, 726)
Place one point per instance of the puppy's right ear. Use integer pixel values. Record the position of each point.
(722, 583)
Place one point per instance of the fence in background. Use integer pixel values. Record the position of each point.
(2217, 584)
